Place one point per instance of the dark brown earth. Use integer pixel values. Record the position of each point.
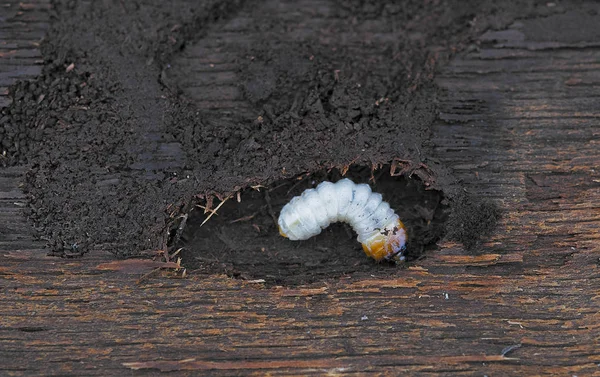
(239, 240)
(121, 150)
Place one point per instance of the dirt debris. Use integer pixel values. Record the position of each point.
(118, 152)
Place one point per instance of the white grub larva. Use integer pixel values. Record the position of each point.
(379, 229)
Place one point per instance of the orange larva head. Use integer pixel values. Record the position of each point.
(388, 244)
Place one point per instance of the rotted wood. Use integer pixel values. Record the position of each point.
(518, 124)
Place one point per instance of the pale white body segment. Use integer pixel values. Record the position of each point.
(379, 229)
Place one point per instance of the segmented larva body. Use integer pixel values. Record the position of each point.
(379, 229)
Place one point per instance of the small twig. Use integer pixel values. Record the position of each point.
(184, 210)
(148, 275)
(345, 168)
(178, 233)
(214, 211)
(154, 272)
(245, 218)
(278, 186)
(177, 252)
(206, 209)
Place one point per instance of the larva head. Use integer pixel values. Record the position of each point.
(388, 244)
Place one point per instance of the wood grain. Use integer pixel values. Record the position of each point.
(22, 27)
(519, 124)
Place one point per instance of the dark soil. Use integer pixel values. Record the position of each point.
(242, 239)
(118, 152)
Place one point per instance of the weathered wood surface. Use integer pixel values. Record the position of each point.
(15, 231)
(22, 27)
(519, 123)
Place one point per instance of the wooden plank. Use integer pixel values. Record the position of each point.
(227, 325)
(512, 126)
(15, 231)
(23, 26)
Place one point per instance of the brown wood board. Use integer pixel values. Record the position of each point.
(518, 123)
(22, 28)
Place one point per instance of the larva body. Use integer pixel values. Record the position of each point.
(379, 229)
